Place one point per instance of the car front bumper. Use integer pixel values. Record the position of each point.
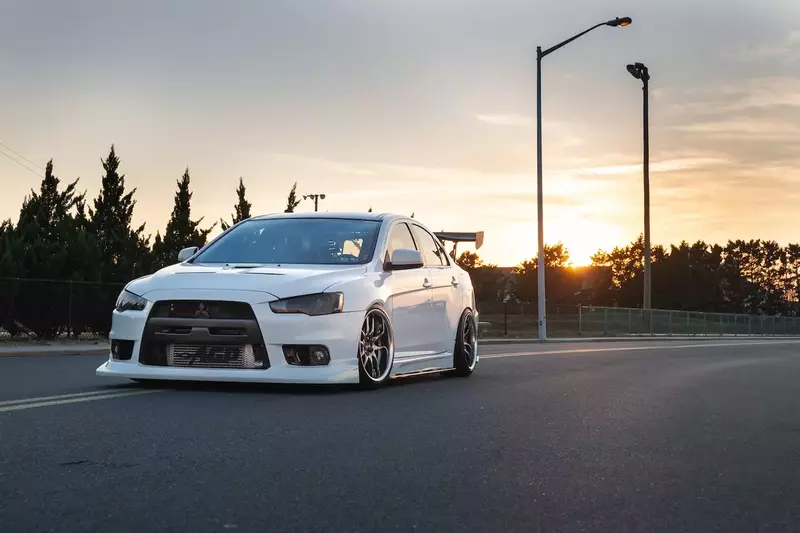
(339, 333)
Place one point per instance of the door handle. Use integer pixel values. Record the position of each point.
(454, 282)
(427, 284)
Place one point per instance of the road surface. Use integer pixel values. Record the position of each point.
(686, 436)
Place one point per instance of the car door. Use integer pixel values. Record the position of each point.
(409, 301)
(446, 294)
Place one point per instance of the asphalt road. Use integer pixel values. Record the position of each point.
(611, 437)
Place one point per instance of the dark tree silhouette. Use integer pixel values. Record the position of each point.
(122, 247)
(292, 201)
(181, 231)
(241, 209)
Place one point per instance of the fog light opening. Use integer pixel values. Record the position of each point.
(306, 355)
(292, 355)
(319, 356)
(121, 350)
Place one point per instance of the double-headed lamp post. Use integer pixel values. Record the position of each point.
(316, 197)
(540, 54)
(640, 72)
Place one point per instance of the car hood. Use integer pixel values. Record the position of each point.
(278, 281)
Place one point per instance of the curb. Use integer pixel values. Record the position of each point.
(489, 342)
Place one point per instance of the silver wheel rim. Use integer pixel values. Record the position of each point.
(469, 344)
(375, 346)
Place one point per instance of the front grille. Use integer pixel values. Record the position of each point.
(208, 356)
(203, 334)
(212, 309)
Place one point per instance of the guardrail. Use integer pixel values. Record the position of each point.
(521, 320)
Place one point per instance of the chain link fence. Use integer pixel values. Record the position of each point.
(54, 309)
(520, 320)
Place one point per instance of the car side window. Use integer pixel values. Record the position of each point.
(400, 237)
(433, 253)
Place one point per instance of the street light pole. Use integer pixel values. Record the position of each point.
(540, 262)
(316, 197)
(640, 71)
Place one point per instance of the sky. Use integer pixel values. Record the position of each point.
(424, 106)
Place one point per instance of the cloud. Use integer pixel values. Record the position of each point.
(769, 92)
(757, 94)
(667, 165)
(769, 50)
(745, 128)
(506, 119)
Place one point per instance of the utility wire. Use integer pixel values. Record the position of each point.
(7, 147)
(20, 163)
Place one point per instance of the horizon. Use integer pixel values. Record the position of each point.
(399, 108)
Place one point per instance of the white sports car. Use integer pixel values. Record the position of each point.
(301, 298)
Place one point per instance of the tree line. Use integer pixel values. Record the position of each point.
(742, 276)
(61, 235)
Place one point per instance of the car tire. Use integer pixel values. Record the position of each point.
(375, 348)
(465, 351)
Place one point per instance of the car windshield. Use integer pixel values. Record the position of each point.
(308, 241)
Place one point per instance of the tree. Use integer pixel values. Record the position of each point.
(241, 209)
(485, 277)
(181, 231)
(292, 201)
(121, 246)
(627, 271)
(561, 281)
(44, 228)
(51, 242)
(469, 261)
(791, 280)
(689, 277)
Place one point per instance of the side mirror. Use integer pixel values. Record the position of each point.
(405, 259)
(186, 253)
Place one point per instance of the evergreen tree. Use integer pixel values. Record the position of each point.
(121, 246)
(52, 242)
(45, 226)
(10, 251)
(241, 209)
(181, 231)
(292, 201)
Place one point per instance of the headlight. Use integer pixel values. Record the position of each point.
(128, 301)
(310, 304)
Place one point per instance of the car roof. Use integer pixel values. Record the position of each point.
(338, 215)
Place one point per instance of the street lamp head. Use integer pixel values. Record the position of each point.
(639, 71)
(619, 22)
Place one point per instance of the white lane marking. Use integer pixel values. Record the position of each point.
(704, 344)
(59, 397)
(77, 400)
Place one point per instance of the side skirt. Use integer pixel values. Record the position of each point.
(421, 373)
(422, 364)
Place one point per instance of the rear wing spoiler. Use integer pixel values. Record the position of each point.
(457, 237)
